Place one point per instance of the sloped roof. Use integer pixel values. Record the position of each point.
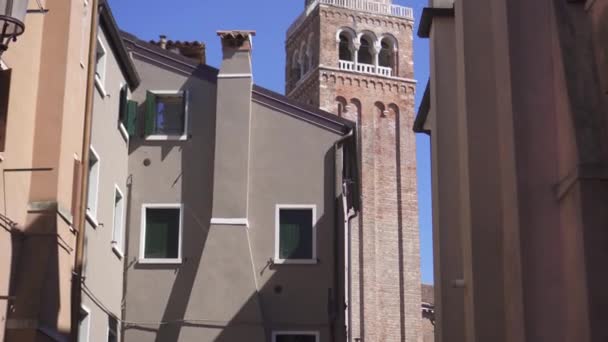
(259, 94)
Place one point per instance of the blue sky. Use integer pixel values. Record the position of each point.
(200, 19)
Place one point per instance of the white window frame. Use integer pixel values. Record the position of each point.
(100, 79)
(121, 126)
(277, 237)
(316, 334)
(88, 311)
(92, 214)
(163, 137)
(118, 241)
(142, 241)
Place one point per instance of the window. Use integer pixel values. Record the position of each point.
(118, 229)
(365, 51)
(295, 240)
(5, 85)
(166, 115)
(94, 165)
(100, 67)
(386, 57)
(345, 51)
(161, 233)
(127, 113)
(112, 329)
(295, 336)
(84, 325)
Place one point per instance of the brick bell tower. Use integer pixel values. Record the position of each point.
(354, 58)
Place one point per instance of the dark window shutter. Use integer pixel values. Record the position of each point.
(150, 113)
(131, 117)
(186, 105)
(122, 116)
(5, 87)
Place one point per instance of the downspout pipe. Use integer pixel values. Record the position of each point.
(347, 215)
(80, 218)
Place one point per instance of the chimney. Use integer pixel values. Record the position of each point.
(233, 118)
(163, 42)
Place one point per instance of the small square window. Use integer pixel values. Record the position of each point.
(296, 235)
(161, 240)
(118, 231)
(166, 114)
(288, 336)
(94, 170)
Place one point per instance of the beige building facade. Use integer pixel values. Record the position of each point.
(355, 59)
(516, 109)
(42, 142)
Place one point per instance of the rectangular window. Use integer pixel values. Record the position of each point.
(295, 234)
(5, 86)
(161, 233)
(94, 170)
(295, 336)
(100, 67)
(112, 329)
(166, 115)
(118, 231)
(84, 325)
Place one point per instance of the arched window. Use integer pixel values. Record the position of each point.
(385, 59)
(366, 55)
(345, 51)
(295, 66)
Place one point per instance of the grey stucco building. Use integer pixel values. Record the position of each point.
(238, 203)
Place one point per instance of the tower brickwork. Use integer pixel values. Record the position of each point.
(354, 58)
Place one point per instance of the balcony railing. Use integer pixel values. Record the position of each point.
(365, 68)
(357, 5)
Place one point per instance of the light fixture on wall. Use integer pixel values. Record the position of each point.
(12, 18)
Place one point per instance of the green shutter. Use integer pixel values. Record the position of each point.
(150, 113)
(290, 240)
(131, 118)
(122, 116)
(162, 233)
(295, 234)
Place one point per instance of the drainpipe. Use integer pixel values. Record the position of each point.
(80, 218)
(348, 216)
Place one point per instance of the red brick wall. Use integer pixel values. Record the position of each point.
(386, 255)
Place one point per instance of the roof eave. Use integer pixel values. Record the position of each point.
(423, 111)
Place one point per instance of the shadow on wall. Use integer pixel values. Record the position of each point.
(260, 310)
(35, 279)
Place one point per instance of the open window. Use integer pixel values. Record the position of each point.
(366, 55)
(100, 67)
(295, 240)
(161, 233)
(345, 48)
(166, 115)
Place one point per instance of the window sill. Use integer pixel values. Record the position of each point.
(296, 261)
(158, 137)
(92, 220)
(100, 88)
(160, 261)
(117, 250)
(123, 132)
